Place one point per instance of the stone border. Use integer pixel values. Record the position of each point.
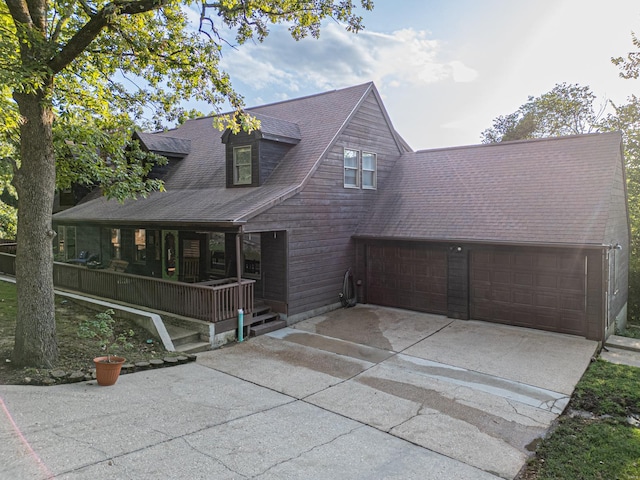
(61, 377)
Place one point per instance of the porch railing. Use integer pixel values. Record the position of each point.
(209, 303)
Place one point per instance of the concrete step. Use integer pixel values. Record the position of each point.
(261, 329)
(194, 347)
(624, 343)
(181, 336)
(620, 356)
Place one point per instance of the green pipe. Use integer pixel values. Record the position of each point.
(240, 325)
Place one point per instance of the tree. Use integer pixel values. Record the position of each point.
(566, 110)
(67, 68)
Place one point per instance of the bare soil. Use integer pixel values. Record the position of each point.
(75, 354)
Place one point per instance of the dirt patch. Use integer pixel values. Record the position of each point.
(75, 358)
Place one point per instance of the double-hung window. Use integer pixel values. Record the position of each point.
(242, 165)
(369, 170)
(351, 168)
(360, 169)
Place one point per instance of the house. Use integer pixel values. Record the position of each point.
(531, 233)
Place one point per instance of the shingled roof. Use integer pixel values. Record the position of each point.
(550, 191)
(164, 144)
(196, 187)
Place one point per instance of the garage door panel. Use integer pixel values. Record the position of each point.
(542, 289)
(413, 277)
(572, 302)
(523, 297)
(547, 299)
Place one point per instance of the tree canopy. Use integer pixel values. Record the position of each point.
(568, 109)
(77, 75)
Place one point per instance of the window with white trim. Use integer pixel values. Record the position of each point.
(351, 168)
(360, 169)
(369, 176)
(242, 165)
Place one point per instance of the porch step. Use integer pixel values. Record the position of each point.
(182, 336)
(256, 330)
(195, 347)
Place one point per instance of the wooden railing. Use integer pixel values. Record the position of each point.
(209, 303)
(7, 246)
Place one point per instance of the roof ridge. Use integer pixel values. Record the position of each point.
(517, 142)
(335, 90)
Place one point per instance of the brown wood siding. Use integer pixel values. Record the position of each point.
(543, 289)
(321, 219)
(270, 155)
(407, 276)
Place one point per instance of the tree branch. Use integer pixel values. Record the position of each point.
(89, 32)
(19, 11)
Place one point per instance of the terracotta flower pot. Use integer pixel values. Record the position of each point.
(107, 372)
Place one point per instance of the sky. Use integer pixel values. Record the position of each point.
(446, 68)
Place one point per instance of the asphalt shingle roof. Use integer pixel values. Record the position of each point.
(196, 186)
(164, 144)
(551, 191)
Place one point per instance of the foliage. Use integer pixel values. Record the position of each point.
(590, 450)
(102, 327)
(566, 110)
(600, 444)
(630, 66)
(77, 76)
(608, 388)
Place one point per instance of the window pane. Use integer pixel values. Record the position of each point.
(368, 161)
(351, 158)
(369, 170)
(242, 165)
(140, 240)
(350, 168)
(350, 177)
(367, 179)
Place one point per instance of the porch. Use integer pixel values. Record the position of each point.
(214, 303)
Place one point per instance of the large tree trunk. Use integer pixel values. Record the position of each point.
(35, 342)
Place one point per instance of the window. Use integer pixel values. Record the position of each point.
(351, 168)
(251, 249)
(242, 165)
(115, 244)
(140, 239)
(360, 169)
(66, 243)
(369, 176)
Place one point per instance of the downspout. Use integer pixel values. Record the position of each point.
(239, 275)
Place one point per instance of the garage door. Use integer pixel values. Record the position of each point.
(544, 290)
(408, 277)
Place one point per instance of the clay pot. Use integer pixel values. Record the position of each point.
(107, 372)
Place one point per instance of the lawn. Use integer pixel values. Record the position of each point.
(75, 353)
(596, 439)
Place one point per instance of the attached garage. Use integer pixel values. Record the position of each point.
(529, 233)
(530, 288)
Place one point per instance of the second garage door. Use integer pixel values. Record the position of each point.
(529, 288)
(410, 277)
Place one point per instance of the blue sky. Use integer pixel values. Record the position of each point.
(447, 68)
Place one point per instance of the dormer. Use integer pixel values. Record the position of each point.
(251, 157)
(173, 148)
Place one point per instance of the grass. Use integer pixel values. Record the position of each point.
(75, 353)
(599, 443)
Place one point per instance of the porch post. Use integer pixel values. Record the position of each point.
(239, 267)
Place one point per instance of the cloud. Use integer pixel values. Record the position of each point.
(405, 57)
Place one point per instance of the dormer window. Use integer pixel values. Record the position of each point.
(242, 165)
(251, 157)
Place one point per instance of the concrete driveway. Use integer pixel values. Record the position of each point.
(361, 393)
